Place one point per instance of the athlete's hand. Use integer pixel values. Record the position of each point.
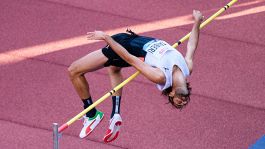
(197, 15)
(96, 35)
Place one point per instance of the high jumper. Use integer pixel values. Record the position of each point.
(154, 58)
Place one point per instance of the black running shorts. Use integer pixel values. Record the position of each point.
(131, 42)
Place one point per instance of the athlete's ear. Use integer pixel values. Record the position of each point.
(171, 93)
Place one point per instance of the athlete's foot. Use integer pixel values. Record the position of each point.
(114, 128)
(90, 124)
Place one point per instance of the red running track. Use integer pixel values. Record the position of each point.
(40, 39)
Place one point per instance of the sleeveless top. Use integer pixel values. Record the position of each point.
(157, 53)
(163, 56)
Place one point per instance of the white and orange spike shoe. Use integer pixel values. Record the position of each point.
(90, 124)
(114, 129)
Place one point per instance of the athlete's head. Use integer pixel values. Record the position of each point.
(179, 93)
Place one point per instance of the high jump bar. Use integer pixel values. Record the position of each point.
(78, 116)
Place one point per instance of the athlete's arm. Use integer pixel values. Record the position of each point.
(194, 39)
(153, 74)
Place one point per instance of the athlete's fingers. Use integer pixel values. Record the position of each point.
(90, 33)
(91, 37)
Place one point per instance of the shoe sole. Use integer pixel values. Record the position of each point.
(116, 132)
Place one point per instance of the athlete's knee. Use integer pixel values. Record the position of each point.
(73, 70)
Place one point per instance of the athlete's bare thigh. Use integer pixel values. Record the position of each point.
(90, 62)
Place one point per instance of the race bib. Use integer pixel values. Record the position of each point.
(157, 47)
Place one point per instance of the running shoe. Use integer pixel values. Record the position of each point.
(114, 128)
(90, 124)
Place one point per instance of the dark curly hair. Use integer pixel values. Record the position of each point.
(184, 96)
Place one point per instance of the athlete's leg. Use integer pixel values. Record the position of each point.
(115, 78)
(77, 69)
(115, 122)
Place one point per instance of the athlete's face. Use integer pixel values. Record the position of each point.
(177, 99)
(179, 89)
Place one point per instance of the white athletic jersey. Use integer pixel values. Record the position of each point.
(161, 55)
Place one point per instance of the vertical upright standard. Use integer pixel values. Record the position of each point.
(55, 136)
